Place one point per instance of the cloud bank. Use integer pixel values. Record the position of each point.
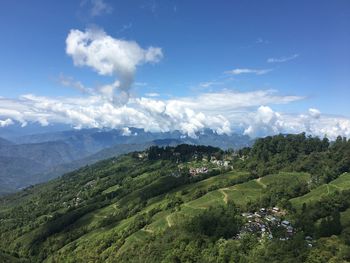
(7, 122)
(223, 112)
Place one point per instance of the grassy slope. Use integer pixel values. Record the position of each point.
(341, 183)
(160, 220)
(239, 193)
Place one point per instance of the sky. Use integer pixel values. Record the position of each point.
(253, 67)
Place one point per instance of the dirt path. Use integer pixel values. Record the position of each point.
(261, 183)
(147, 230)
(168, 220)
(192, 207)
(225, 195)
(338, 187)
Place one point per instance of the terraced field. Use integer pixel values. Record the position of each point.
(339, 184)
(240, 194)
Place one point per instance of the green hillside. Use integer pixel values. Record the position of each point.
(340, 184)
(184, 204)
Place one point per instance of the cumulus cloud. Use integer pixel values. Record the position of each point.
(7, 122)
(126, 131)
(282, 59)
(220, 111)
(109, 56)
(265, 121)
(239, 71)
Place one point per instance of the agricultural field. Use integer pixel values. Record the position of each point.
(339, 184)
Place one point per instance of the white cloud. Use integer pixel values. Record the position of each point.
(217, 111)
(100, 7)
(265, 121)
(7, 122)
(239, 71)
(126, 131)
(282, 59)
(109, 56)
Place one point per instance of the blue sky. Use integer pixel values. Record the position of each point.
(298, 48)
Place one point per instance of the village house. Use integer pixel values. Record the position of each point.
(275, 209)
(142, 155)
(285, 223)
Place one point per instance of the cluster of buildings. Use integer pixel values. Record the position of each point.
(203, 170)
(265, 223)
(77, 200)
(220, 162)
(196, 171)
(224, 162)
(74, 202)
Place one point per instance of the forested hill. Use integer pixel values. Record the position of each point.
(285, 199)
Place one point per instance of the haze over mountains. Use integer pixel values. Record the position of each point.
(31, 159)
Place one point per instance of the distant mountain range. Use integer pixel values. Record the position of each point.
(31, 159)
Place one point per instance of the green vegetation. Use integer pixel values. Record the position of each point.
(339, 184)
(146, 207)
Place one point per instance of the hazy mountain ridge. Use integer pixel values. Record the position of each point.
(37, 158)
(97, 139)
(20, 162)
(101, 155)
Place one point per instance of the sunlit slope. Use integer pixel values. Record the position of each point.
(339, 184)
